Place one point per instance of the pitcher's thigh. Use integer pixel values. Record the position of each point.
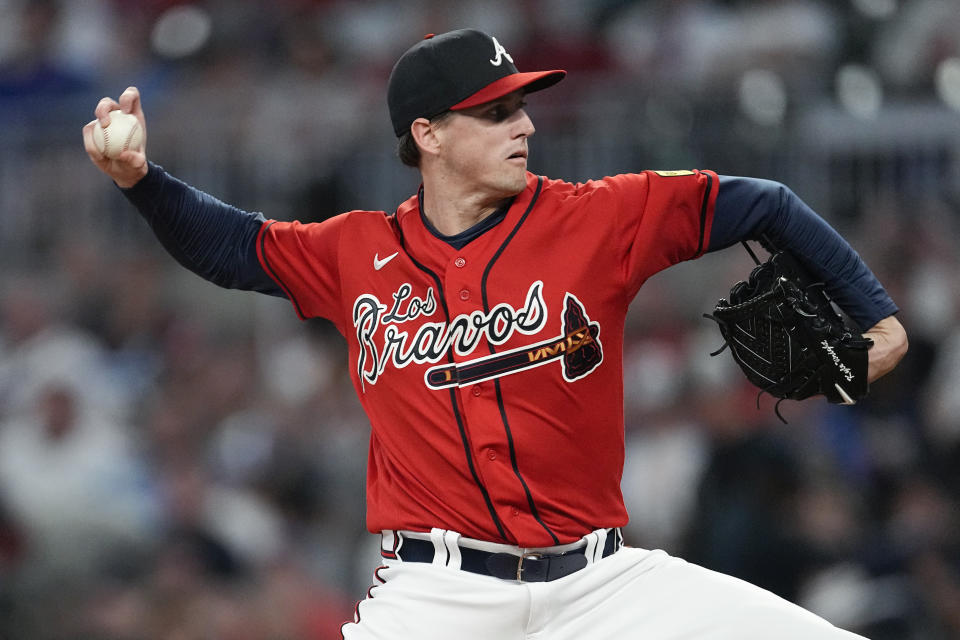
(422, 602)
(637, 593)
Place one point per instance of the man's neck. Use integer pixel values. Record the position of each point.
(451, 211)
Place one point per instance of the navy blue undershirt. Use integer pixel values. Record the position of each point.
(218, 241)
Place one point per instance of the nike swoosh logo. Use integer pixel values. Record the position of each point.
(380, 264)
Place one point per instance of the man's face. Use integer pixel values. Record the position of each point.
(486, 146)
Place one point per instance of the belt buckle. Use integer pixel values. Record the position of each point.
(526, 554)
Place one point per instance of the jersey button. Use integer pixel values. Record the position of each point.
(491, 454)
(460, 262)
(464, 294)
(476, 391)
(515, 511)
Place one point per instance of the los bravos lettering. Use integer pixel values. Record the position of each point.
(383, 331)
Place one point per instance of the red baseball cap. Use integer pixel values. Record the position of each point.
(455, 70)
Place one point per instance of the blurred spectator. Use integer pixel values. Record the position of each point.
(73, 480)
(744, 522)
(704, 47)
(908, 49)
(306, 117)
(39, 344)
(30, 68)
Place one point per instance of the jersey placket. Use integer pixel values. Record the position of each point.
(482, 414)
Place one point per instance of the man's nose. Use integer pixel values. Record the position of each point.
(525, 124)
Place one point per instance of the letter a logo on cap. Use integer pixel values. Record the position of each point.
(500, 52)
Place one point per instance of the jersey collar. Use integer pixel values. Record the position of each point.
(423, 243)
(460, 240)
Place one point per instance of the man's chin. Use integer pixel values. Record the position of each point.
(507, 186)
(519, 183)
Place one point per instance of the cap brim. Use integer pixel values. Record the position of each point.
(531, 81)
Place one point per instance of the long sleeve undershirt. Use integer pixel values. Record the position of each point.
(218, 241)
(751, 208)
(215, 240)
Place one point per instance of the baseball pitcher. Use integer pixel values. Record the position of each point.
(485, 324)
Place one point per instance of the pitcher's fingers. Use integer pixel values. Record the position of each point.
(105, 106)
(130, 100)
(135, 159)
(88, 143)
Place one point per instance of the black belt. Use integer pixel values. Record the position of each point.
(529, 567)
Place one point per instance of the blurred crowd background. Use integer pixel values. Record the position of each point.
(180, 462)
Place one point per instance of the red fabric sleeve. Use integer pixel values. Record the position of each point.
(304, 260)
(663, 219)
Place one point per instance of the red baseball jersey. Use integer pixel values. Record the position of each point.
(492, 374)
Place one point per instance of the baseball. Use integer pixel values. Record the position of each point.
(124, 132)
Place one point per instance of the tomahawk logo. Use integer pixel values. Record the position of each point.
(499, 54)
(577, 347)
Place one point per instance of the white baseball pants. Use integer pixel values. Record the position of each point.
(634, 593)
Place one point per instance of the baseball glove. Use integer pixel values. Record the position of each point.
(788, 339)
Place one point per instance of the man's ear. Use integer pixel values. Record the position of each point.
(425, 135)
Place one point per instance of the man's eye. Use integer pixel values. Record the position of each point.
(499, 113)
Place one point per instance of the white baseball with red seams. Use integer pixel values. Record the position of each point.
(124, 132)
